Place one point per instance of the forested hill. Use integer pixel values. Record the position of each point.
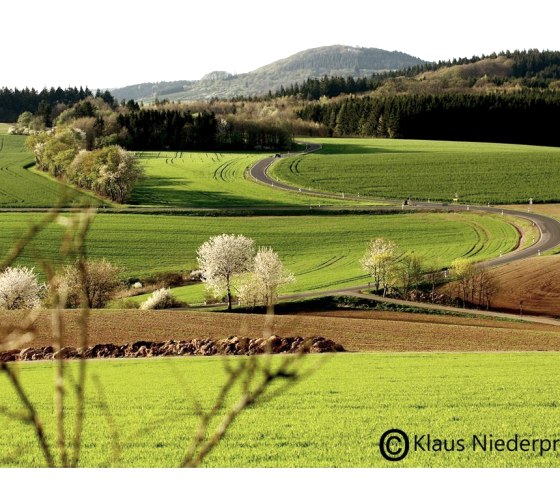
(337, 60)
(511, 97)
(354, 61)
(504, 72)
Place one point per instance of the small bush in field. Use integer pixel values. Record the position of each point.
(161, 299)
(101, 282)
(20, 289)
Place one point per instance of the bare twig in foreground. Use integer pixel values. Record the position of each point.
(255, 375)
(32, 417)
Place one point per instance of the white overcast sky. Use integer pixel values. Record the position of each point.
(116, 43)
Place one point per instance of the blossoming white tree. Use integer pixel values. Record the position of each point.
(20, 289)
(160, 299)
(379, 261)
(222, 258)
(267, 276)
(117, 171)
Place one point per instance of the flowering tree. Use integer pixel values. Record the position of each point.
(379, 261)
(160, 299)
(20, 289)
(117, 172)
(267, 276)
(223, 257)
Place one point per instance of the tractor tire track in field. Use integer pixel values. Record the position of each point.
(323, 265)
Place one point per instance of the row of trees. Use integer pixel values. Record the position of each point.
(230, 265)
(401, 273)
(535, 68)
(109, 171)
(230, 262)
(157, 129)
(522, 117)
(46, 103)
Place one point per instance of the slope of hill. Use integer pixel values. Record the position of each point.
(336, 60)
(143, 91)
(486, 74)
(532, 284)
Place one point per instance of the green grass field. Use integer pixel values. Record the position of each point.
(333, 419)
(436, 170)
(21, 187)
(173, 179)
(4, 127)
(209, 180)
(322, 251)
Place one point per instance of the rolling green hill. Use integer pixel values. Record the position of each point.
(316, 62)
(211, 180)
(428, 170)
(322, 251)
(22, 187)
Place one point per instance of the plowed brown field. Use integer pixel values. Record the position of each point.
(535, 281)
(355, 330)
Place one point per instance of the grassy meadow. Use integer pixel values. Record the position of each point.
(333, 419)
(19, 186)
(209, 180)
(173, 179)
(322, 251)
(435, 170)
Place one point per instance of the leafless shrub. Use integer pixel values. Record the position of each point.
(101, 281)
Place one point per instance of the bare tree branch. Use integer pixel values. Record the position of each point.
(111, 423)
(255, 375)
(32, 232)
(75, 245)
(33, 417)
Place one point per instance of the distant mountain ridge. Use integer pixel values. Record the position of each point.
(336, 60)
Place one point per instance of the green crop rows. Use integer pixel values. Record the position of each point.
(333, 419)
(322, 251)
(20, 187)
(209, 180)
(435, 170)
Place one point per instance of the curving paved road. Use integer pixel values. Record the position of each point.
(549, 229)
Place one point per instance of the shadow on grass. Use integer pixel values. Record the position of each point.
(353, 149)
(168, 191)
